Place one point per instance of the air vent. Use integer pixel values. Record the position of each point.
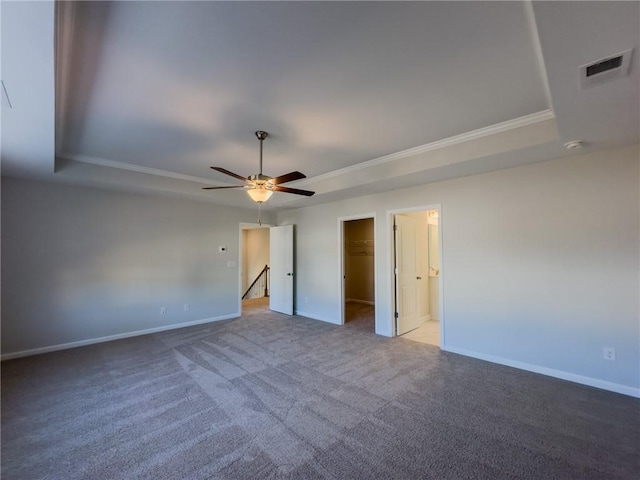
(605, 69)
(604, 66)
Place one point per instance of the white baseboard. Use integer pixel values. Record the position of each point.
(108, 338)
(572, 377)
(316, 317)
(363, 302)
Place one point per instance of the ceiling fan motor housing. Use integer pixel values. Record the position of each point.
(259, 178)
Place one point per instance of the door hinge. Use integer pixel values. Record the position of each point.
(395, 315)
(395, 228)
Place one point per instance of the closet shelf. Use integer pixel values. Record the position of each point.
(360, 248)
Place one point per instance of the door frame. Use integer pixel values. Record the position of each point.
(341, 259)
(245, 226)
(391, 264)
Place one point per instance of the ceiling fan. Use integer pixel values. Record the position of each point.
(260, 187)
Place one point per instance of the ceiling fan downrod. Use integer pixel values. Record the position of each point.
(261, 136)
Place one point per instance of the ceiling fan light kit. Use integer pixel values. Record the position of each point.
(259, 194)
(260, 187)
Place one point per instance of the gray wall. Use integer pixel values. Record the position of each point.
(540, 264)
(80, 264)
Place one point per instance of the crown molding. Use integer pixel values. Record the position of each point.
(437, 145)
(497, 128)
(102, 162)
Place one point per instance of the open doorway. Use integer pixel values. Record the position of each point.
(358, 272)
(255, 280)
(417, 275)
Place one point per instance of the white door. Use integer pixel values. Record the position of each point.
(281, 257)
(407, 274)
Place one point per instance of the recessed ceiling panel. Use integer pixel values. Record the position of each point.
(180, 86)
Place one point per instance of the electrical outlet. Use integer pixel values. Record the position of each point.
(163, 310)
(609, 353)
(186, 307)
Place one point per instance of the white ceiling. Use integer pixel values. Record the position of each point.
(360, 96)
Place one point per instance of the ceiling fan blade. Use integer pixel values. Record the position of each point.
(289, 177)
(295, 191)
(231, 174)
(217, 188)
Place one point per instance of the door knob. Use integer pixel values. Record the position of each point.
(418, 278)
(289, 274)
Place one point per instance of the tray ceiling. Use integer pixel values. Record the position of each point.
(354, 94)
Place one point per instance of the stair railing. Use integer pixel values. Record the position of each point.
(260, 286)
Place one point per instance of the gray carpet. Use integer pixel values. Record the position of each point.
(271, 396)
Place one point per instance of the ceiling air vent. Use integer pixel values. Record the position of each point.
(605, 69)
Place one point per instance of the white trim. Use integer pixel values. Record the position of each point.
(551, 372)
(363, 302)
(479, 133)
(495, 129)
(246, 226)
(390, 263)
(441, 269)
(109, 338)
(362, 216)
(348, 218)
(391, 220)
(423, 208)
(102, 162)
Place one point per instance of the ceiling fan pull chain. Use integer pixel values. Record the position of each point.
(260, 209)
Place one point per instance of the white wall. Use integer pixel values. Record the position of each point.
(524, 255)
(80, 264)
